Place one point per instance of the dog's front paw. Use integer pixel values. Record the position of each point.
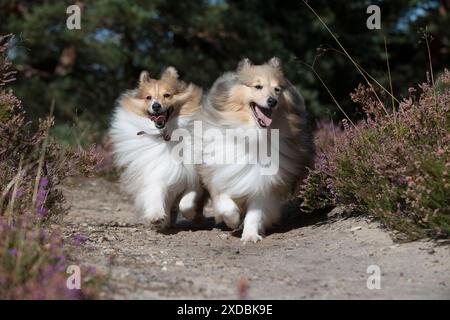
(232, 220)
(158, 219)
(250, 237)
(189, 214)
(187, 206)
(229, 211)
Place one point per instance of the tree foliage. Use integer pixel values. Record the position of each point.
(85, 70)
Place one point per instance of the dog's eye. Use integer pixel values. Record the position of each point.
(166, 95)
(258, 86)
(277, 90)
(148, 97)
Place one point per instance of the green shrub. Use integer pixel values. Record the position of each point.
(32, 257)
(394, 166)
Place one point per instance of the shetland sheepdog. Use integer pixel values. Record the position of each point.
(142, 124)
(255, 98)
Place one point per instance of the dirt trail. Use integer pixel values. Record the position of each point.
(310, 258)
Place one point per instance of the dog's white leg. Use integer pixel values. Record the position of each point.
(261, 213)
(225, 208)
(187, 204)
(253, 223)
(153, 203)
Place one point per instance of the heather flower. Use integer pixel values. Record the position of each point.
(393, 167)
(13, 252)
(243, 287)
(79, 239)
(402, 181)
(40, 271)
(19, 193)
(41, 197)
(330, 187)
(43, 182)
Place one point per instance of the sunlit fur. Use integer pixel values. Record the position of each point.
(241, 191)
(159, 184)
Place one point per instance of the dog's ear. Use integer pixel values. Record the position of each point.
(144, 77)
(243, 64)
(170, 75)
(274, 62)
(181, 86)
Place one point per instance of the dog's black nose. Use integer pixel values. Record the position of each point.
(272, 102)
(156, 106)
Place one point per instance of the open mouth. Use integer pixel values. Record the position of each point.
(263, 115)
(160, 119)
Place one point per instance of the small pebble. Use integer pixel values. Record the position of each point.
(223, 236)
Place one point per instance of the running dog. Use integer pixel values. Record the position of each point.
(255, 98)
(142, 125)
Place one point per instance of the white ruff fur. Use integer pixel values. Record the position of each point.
(151, 174)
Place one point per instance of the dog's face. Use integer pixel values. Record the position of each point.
(258, 93)
(156, 98)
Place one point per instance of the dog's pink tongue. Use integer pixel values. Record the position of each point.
(261, 116)
(158, 118)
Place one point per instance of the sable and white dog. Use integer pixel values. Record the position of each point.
(254, 97)
(142, 124)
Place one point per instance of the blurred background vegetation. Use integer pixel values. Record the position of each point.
(85, 70)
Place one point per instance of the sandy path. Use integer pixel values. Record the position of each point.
(309, 259)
